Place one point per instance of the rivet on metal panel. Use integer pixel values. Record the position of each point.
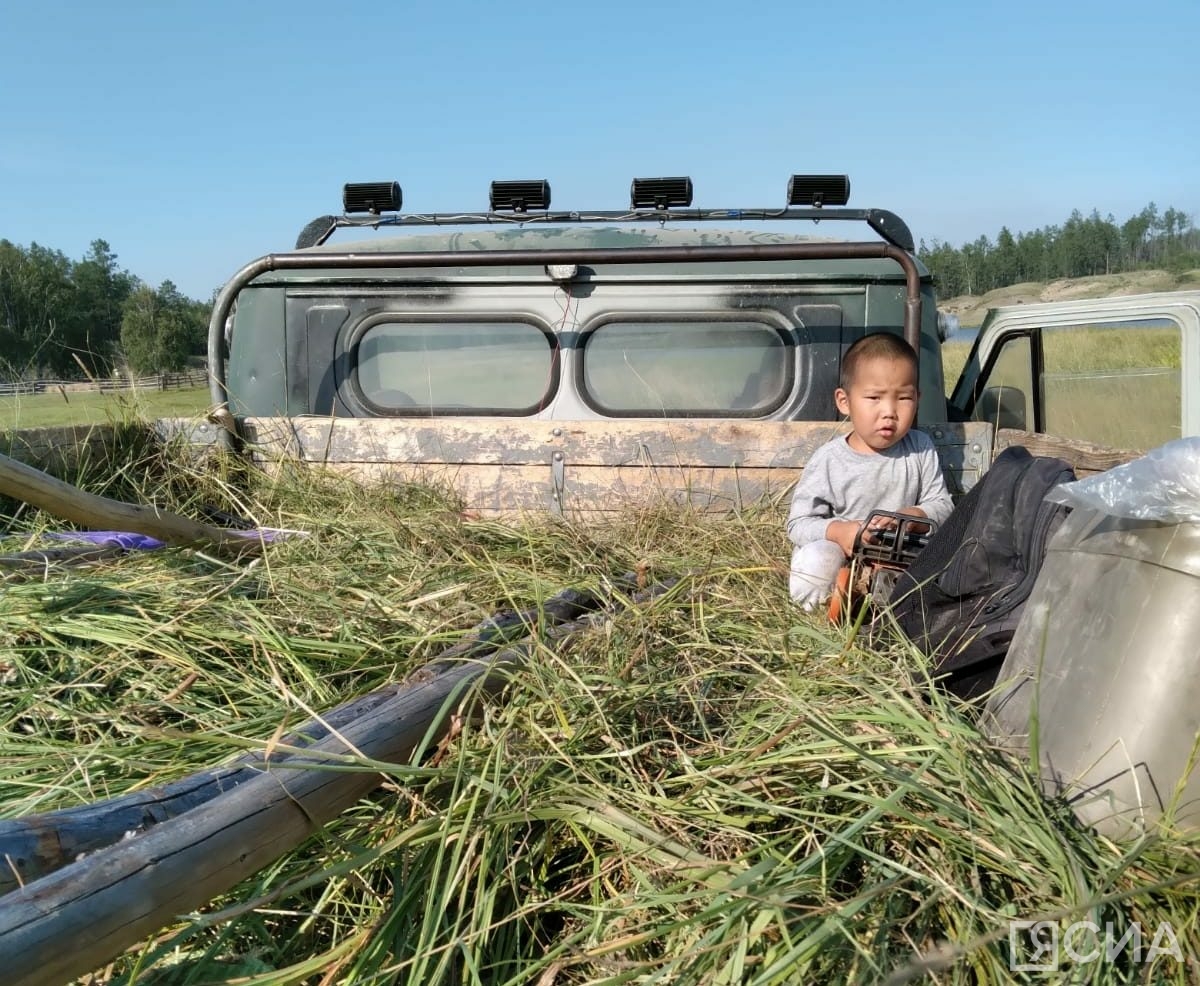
(976, 447)
(937, 432)
(556, 432)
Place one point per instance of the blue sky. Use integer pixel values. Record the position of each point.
(194, 137)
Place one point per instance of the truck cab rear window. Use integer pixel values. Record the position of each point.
(447, 367)
(685, 368)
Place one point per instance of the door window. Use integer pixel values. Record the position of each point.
(1006, 398)
(1114, 383)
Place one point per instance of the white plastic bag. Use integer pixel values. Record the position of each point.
(1163, 485)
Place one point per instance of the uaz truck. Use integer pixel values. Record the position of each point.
(574, 360)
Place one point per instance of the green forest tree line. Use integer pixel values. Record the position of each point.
(89, 317)
(1080, 247)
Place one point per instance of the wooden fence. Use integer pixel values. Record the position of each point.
(156, 381)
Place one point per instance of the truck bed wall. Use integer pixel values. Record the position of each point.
(502, 466)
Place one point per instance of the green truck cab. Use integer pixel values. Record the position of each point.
(567, 360)
(757, 339)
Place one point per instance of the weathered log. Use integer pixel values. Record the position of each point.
(35, 845)
(78, 918)
(35, 487)
(1085, 458)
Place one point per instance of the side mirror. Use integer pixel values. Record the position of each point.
(1003, 407)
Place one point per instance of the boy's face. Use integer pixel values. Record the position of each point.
(881, 403)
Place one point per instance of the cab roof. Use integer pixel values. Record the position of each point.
(549, 238)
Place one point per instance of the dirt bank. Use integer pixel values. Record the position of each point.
(971, 309)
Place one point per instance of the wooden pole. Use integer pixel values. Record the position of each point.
(75, 920)
(36, 845)
(80, 917)
(41, 490)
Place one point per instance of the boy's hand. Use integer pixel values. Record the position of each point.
(876, 524)
(915, 512)
(842, 533)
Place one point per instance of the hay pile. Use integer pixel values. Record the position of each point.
(709, 789)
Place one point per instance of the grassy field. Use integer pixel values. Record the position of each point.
(57, 408)
(954, 358)
(1087, 395)
(715, 789)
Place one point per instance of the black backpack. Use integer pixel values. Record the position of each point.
(961, 598)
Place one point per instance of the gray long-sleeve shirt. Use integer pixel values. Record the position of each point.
(841, 484)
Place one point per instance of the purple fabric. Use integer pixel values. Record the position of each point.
(118, 539)
(142, 542)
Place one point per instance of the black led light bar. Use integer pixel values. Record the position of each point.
(371, 196)
(520, 196)
(660, 193)
(818, 190)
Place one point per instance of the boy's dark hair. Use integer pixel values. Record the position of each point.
(875, 345)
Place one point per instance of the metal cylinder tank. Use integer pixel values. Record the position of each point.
(1101, 684)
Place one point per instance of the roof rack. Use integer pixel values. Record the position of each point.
(886, 224)
(651, 200)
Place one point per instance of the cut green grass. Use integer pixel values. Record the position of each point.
(717, 792)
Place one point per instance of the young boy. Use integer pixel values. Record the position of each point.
(880, 465)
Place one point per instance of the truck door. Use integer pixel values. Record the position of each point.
(1117, 372)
